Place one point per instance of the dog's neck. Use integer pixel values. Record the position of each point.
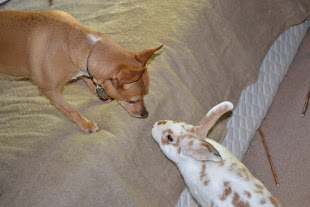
(100, 91)
(80, 46)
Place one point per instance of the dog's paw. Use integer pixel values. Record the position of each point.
(91, 127)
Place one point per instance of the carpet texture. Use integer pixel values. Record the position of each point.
(287, 135)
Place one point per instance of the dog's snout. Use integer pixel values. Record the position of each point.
(144, 114)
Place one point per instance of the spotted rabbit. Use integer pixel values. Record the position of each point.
(214, 176)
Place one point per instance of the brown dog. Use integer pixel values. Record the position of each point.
(52, 48)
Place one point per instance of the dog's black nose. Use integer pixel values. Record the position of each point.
(145, 114)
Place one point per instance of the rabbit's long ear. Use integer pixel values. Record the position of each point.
(212, 116)
(203, 151)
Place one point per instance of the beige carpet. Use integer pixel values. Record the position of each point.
(287, 134)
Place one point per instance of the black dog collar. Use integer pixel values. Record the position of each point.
(99, 89)
(91, 77)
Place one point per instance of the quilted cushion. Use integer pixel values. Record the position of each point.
(256, 99)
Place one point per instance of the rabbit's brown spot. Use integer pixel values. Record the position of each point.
(243, 173)
(274, 201)
(248, 194)
(259, 186)
(169, 131)
(260, 189)
(212, 204)
(232, 167)
(176, 122)
(188, 136)
(205, 183)
(191, 143)
(239, 203)
(161, 122)
(239, 174)
(222, 163)
(179, 150)
(164, 141)
(227, 191)
(186, 128)
(202, 173)
(263, 201)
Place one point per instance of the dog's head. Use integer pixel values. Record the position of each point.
(130, 95)
(122, 73)
(107, 60)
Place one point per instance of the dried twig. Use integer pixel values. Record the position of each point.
(306, 104)
(269, 157)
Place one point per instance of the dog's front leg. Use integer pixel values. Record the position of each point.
(56, 98)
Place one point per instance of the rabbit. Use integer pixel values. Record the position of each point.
(214, 176)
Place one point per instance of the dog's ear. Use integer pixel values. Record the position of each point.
(128, 85)
(115, 83)
(110, 89)
(129, 75)
(144, 55)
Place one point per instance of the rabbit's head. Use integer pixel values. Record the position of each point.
(179, 140)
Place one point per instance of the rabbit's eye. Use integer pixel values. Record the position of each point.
(169, 138)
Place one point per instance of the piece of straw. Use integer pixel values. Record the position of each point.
(306, 104)
(269, 157)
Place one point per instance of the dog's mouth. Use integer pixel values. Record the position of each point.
(144, 114)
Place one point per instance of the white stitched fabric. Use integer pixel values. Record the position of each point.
(256, 99)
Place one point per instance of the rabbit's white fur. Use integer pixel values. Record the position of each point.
(214, 176)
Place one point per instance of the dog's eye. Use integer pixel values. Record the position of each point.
(132, 102)
(169, 138)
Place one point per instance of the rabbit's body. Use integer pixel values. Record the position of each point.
(214, 176)
(226, 183)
